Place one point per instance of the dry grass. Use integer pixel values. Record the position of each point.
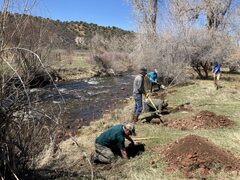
(72, 65)
(202, 96)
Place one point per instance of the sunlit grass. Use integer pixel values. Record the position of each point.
(72, 60)
(202, 96)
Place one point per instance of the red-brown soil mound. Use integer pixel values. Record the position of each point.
(195, 155)
(204, 120)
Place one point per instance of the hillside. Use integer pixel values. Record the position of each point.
(65, 47)
(62, 35)
(84, 32)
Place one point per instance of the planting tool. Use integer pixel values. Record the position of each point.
(156, 110)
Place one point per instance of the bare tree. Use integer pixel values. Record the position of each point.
(218, 44)
(200, 33)
(111, 55)
(147, 11)
(161, 50)
(25, 125)
(216, 11)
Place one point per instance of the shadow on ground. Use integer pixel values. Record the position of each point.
(46, 174)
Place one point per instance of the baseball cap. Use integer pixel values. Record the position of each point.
(143, 69)
(131, 128)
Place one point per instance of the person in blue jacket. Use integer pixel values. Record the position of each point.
(216, 74)
(153, 78)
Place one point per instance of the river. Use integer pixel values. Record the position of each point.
(87, 100)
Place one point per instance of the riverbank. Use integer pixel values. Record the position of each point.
(81, 64)
(73, 154)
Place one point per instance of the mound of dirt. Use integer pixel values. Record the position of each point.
(194, 155)
(203, 120)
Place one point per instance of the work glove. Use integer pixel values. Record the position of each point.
(163, 87)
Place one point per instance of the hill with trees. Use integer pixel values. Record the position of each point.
(62, 35)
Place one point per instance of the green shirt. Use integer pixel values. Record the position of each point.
(112, 138)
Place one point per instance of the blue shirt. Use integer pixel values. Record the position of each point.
(216, 69)
(153, 76)
(112, 138)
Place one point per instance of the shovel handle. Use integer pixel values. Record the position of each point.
(152, 103)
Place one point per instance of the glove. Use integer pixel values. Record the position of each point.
(147, 95)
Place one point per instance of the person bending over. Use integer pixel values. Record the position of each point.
(153, 78)
(111, 143)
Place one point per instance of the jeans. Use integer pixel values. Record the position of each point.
(138, 104)
(152, 84)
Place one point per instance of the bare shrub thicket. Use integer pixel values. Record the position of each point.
(190, 34)
(157, 50)
(26, 124)
(164, 53)
(234, 61)
(112, 53)
(215, 40)
(205, 49)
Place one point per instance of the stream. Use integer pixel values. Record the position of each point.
(87, 100)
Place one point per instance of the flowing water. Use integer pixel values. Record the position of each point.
(87, 100)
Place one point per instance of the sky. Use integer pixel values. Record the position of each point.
(101, 12)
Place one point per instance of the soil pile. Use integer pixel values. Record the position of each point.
(203, 119)
(194, 155)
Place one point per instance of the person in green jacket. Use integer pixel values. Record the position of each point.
(111, 143)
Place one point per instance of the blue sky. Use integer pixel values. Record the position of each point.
(102, 12)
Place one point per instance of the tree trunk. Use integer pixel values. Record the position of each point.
(153, 14)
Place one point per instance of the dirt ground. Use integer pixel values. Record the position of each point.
(203, 120)
(196, 156)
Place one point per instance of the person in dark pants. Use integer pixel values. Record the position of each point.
(216, 74)
(138, 91)
(111, 143)
(153, 78)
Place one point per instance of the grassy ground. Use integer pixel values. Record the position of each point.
(72, 65)
(71, 59)
(202, 96)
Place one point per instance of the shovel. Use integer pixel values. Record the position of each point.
(156, 110)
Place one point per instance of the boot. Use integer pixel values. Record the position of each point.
(135, 119)
(93, 158)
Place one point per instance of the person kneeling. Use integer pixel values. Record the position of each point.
(111, 143)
